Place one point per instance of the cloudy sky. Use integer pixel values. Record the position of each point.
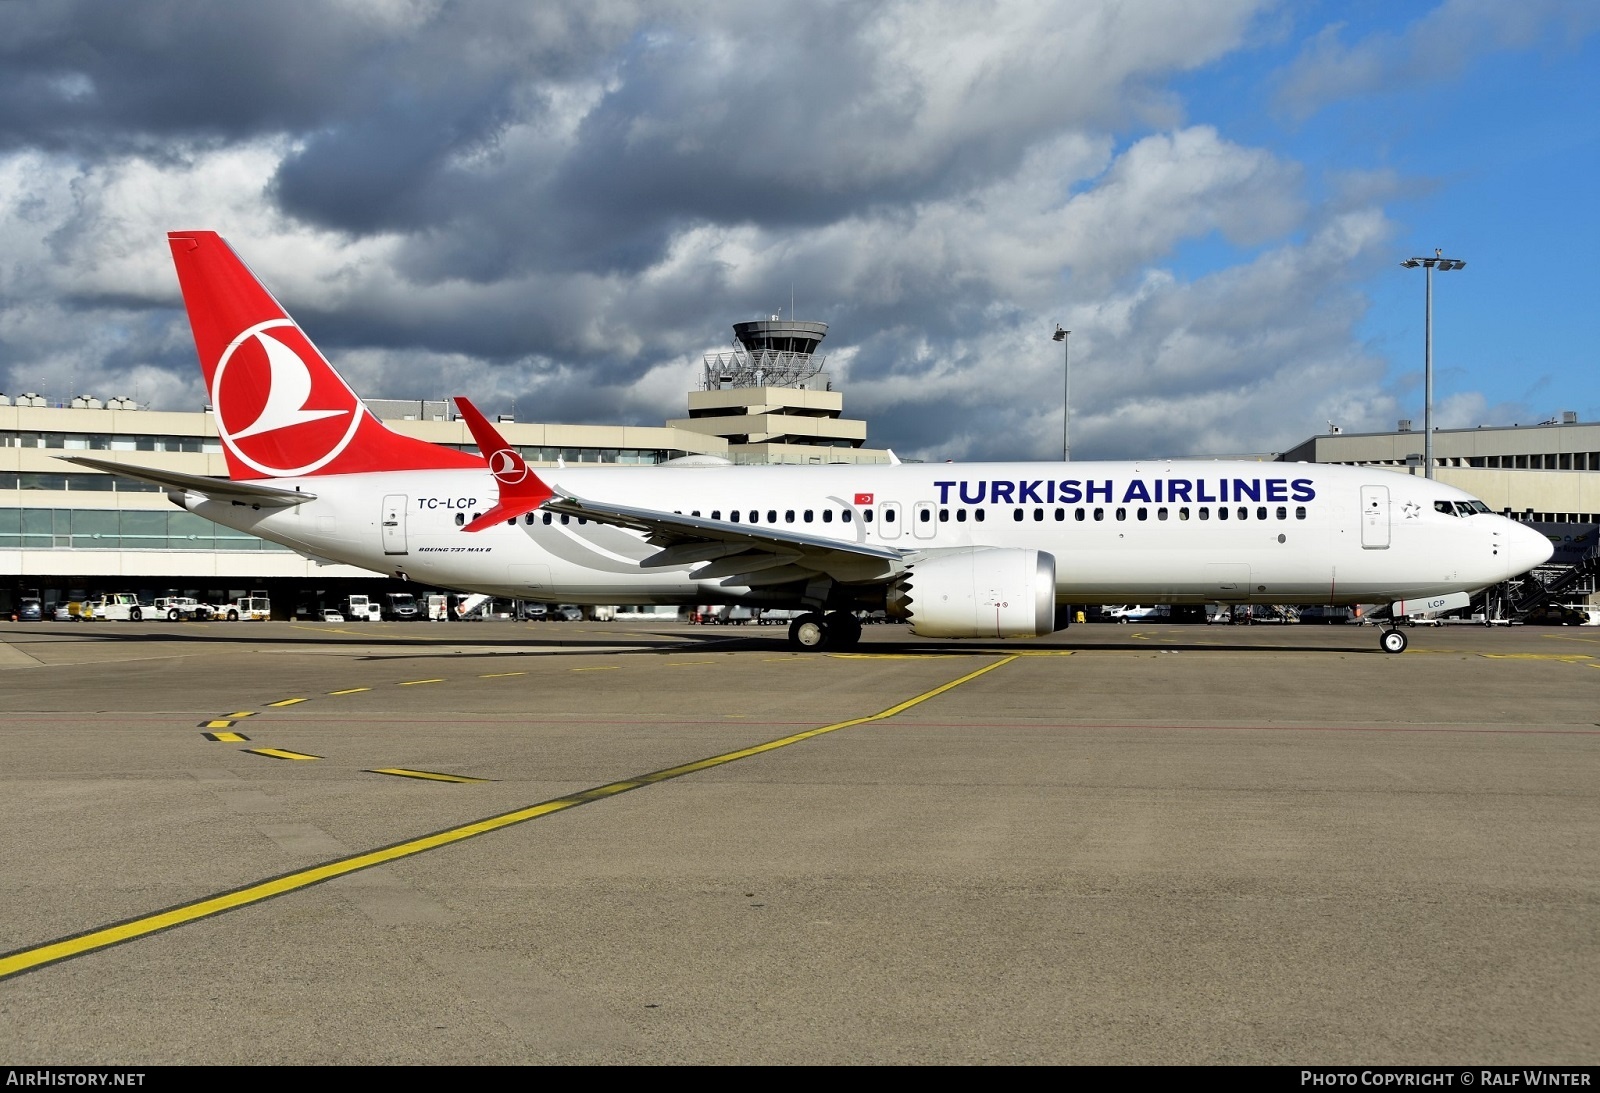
(560, 207)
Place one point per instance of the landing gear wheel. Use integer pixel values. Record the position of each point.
(844, 630)
(808, 632)
(1393, 641)
(134, 614)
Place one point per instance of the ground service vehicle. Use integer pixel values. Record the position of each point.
(181, 608)
(118, 607)
(400, 607)
(1139, 612)
(361, 609)
(255, 607)
(980, 550)
(1322, 613)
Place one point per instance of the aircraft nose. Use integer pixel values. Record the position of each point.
(1526, 548)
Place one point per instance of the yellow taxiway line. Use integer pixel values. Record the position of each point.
(37, 956)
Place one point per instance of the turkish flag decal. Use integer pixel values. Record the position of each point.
(863, 498)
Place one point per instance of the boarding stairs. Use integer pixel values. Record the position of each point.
(1521, 596)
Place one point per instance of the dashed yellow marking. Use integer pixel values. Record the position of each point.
(287, 702)
(1045, 652)
(418, 682)
(241, 713)
(500, 675)
(432, 776)
(1565, 658)
(890, 656)
(280, 753)
(37, 956)
(225, 737)
(598, 668)
(216, 723)
(350, 691)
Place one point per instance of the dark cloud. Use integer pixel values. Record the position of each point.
(556, 203)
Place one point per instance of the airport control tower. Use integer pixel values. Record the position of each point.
(770, 353)
(770, 398)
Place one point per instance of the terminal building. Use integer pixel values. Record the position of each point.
(69, 534)
(1546, 475)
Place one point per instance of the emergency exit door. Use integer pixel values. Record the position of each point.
(394, 524)
(1375, 517)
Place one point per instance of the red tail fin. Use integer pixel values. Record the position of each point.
(281, 409)
(520, 489)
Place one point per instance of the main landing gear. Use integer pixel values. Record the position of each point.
(836, 630)
(1393, 641)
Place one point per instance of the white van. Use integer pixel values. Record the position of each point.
(361, 609)
(1135, 612)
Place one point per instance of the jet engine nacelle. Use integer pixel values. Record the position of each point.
(985, 592)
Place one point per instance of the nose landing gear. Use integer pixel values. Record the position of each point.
(1393, 641)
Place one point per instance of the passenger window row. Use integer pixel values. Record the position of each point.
(960, 515)
(1183, 512)
(789, 516)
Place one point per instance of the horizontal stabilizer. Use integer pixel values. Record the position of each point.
(215, 489)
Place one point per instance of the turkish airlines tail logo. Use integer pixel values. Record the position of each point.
(273, 414)
(289, 391)
(281, 409)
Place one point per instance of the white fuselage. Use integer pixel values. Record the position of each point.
(1145, 532)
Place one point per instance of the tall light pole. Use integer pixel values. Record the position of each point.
(1066, 394)
(1444, 265)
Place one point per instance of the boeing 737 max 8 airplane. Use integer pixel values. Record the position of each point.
(977, 550)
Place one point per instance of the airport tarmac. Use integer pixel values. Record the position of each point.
(513, 843)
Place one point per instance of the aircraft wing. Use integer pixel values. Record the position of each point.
(743, 554)
(217, 489)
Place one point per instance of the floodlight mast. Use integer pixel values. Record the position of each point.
(1444, 265)
(1066, 395)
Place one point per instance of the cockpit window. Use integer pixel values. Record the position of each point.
(1446, 507)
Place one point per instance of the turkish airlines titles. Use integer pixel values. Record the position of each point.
(1071, 491)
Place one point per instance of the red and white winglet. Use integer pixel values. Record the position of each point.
(520, 489)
